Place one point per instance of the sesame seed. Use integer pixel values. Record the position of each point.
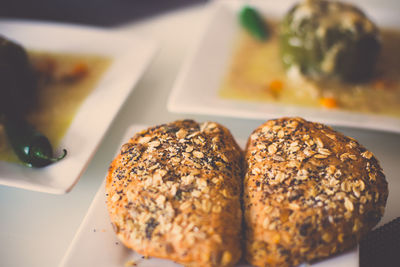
(198, 154)
(154, 144)
(367, 154)
(181, 133)
(348, 204)
(272, 149)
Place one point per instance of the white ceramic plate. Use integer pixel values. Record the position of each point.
(195, 90)
(130, 56)
(95, 243)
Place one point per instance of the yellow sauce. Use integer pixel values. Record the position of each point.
(256, 66)
(59, 101)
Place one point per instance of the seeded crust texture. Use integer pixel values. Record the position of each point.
(309, 192)
(174, 192)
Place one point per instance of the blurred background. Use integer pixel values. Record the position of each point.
(92, 12)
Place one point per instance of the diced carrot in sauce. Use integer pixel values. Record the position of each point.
(328, 102)
(78, 71)
(382, 84)
(276, 86)
(379, 84)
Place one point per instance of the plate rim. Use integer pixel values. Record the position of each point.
(129, 131)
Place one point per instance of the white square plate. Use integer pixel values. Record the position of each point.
(130, 56)
(95, 243)
(196, 89)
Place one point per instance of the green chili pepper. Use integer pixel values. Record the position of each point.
(31, 147)
(253, 22)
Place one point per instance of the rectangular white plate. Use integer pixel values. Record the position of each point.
(130, 56)
(95, 243)
(196, 88)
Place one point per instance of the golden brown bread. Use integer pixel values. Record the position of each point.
(174, 192)
(309, 192)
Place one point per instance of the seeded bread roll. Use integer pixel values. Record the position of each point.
(174, 192)
(309, 192)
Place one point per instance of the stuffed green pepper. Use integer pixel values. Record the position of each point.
(327, 39)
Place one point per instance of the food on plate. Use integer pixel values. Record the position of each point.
(309, 192)
(31, 146)
(17, 78)
(17, 94)
(253, 22)
(40, 95)
(329, 39)
(174, 192)
(331, 75)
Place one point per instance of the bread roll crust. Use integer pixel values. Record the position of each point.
(309, 192)
(174, 192)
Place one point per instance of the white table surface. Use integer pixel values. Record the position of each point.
(36, 228)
